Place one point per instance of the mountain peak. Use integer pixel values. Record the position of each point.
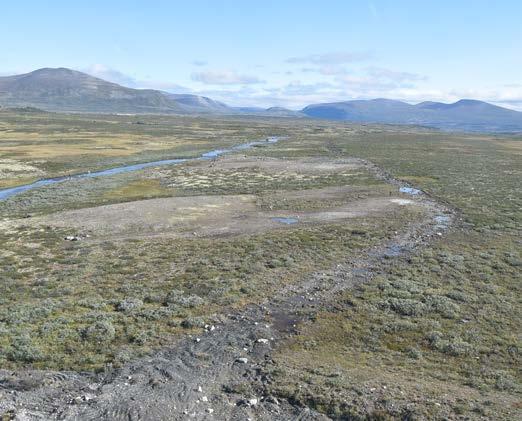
(461, 102)
(57, 72)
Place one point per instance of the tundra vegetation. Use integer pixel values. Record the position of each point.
(434, 334)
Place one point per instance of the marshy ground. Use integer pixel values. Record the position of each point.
(374, 303)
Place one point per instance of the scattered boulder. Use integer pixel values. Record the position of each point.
(248, 402)
(77, 237)
(272, 399)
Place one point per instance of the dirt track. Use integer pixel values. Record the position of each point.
(190, 379)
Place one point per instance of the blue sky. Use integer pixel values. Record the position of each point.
(286, 53)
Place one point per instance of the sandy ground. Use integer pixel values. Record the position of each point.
(204, 216)
(310, 165)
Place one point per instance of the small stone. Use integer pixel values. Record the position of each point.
(200, 389)
(262, 341)
(210, 410)
(272, 399)
(252, 401)
(242, 360)
(204, 399)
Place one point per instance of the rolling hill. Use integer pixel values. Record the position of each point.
(69, 90)
(463, 115)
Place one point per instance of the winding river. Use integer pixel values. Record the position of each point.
(6, 193)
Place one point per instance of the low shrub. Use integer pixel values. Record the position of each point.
(405, 306)
(177, 297)
(100, 331)
(129, 304)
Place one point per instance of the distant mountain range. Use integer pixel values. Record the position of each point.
(463, 115)
(72, 91)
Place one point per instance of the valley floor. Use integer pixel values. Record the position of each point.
(289, 281)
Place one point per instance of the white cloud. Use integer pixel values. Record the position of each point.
(509, 96)
(321, 83)
(328, 70)
(297, 94)
(106, 73)
(224, 77)
(396, 76)
(332, 58)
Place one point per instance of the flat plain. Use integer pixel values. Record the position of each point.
(374, 303)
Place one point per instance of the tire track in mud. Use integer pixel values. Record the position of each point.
(195, 378)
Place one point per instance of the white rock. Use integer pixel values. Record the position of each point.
(242, 360)
(252, 402)
(204, 399)
(262, 341)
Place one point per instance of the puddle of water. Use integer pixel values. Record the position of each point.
(410, 190)
(393, 250)
(286, 221)
(6, 193)
(402, 202)
(442, 219)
